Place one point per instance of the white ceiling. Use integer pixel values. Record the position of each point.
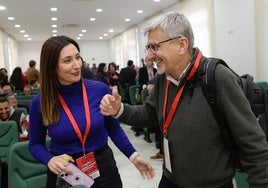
(34, 16)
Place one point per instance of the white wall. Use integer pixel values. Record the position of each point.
(89, 49)
(98, 50)
(28, 51)
(235, 34)
(261, 20)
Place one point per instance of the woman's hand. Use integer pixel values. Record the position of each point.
(144, 167)
(59, 163)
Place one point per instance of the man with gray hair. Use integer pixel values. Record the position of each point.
(195, 155)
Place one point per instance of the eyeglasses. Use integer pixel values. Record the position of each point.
(154, 46)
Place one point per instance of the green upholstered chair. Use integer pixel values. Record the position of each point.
(9, 135)
(263, 84)
(25, 97)
(134, 94)
(23, 109)
(241, 180)
(23, 170)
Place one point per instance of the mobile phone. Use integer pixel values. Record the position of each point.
(78, 177)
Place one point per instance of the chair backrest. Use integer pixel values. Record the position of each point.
(134, 94)
(23, 109)
(23, 170)
(25, 97)
(241, 180)
(9, 135)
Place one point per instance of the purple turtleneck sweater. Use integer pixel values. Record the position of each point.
(63, 137)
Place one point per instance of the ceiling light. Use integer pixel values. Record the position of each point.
(80, 35)
(92, 19)
(101, 38)
(29, 38)
(139, 11)
(156, 0)
(105, 34)
(53, 9)
(22, 31)
(98, 10)
(54, 35)
(2, 8)
(11, 18)
(83, 31)
(54, 19)
(78, 38)
(54, 25)
(111, 30)
(54, 31)
(26, 35)
(127, 19)
(17, 25)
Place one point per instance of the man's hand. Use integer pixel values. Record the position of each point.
(110, 104)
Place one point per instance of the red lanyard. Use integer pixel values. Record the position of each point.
(81, 137)
(175, 102)
(4, 120)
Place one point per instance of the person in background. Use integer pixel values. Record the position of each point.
(35, 84)
(12, 100)
(127, 78)
(102, 74)
(32, 73)
(8, 113)
(5, 81)
(68, 110)
(195, 154)
(27, 90)
(94, 68)
(86, 71)
(18, 79)
(113, 75)
(7, 89)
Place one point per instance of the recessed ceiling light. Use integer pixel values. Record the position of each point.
(53, 9)
(156, 0)
(2, 8)
(17, 25)
(92, 19)
(54, 19)
(11, 18)
(26, 35)
(100, 37)
(105, 34)
(54, 31)
(78, 38)
(54, 35)
(54, 25)
(127, 19)
(80, 35)
(139, 11)
(98, 10)
(29, 38)
(111, 30)
(22, 31)
(83, 31)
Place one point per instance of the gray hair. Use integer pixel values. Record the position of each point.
(173, 24)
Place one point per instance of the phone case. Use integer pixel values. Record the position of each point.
(77, 178)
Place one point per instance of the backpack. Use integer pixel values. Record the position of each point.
(255, 93)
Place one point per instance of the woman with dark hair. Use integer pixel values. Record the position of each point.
(102, 74)
(18, 79)
(68, 109)
(113, 75)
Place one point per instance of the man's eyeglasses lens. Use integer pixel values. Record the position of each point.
(154, 46)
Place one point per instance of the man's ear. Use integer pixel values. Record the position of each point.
(183, 45)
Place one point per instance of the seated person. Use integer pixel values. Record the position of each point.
(7, 113)
(12, 99)
(27, 90)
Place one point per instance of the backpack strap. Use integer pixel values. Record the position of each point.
(209, 89)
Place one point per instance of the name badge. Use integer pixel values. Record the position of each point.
(88, 165)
